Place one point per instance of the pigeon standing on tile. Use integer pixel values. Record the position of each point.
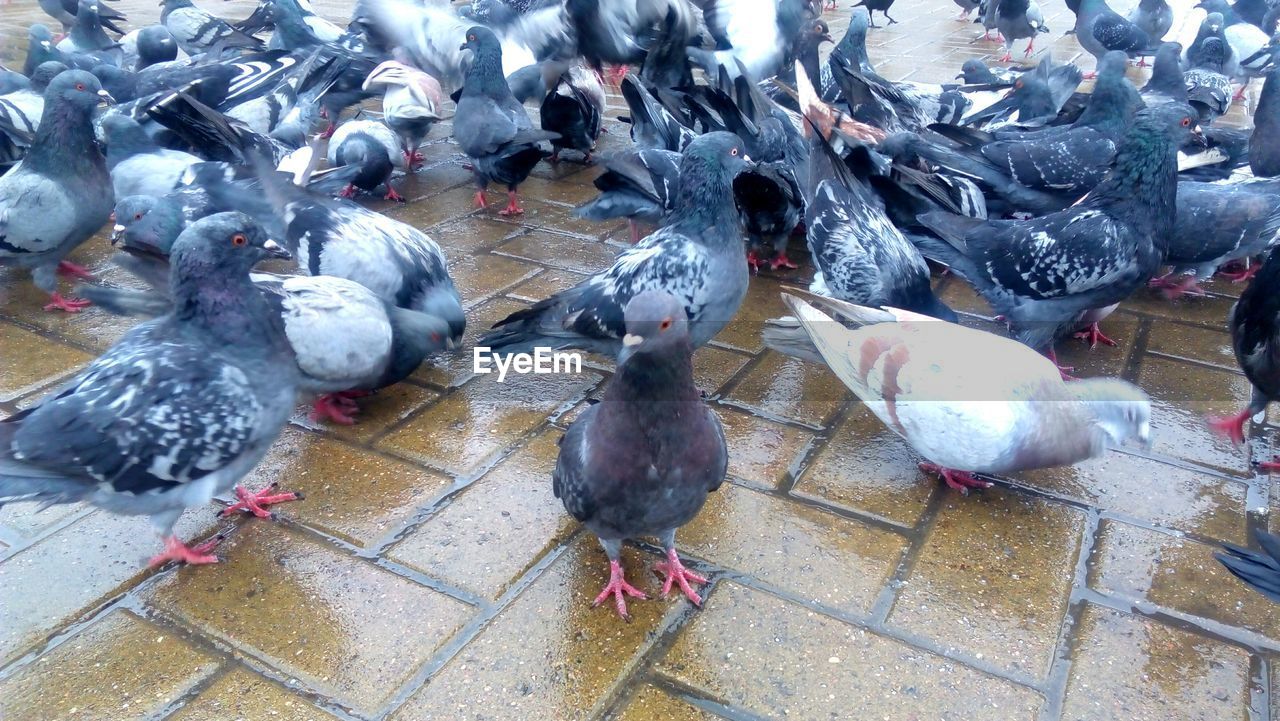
(1018, 20)
(1153, 17)
(1260, 570)
(1264, 143)
(1100, 30)
(999, 407)
(180, 409)
(639, 184)
(1255, 337)
(877, 5)
(61, 193)
(697, 257)
(375, 149)
(1246, 41)
(1208, 59)
(1167, 84)
(642, 461)
(411, 101)
(573, 109)
(492, 127)
(966, 9)
(86, 34)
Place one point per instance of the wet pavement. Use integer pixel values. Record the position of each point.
(431, 574)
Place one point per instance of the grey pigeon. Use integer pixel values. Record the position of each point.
(492, 127)
(1017, 20)
(573, 109)
(1153, 17)
(1260, 570)
(1100, 30)
(87, 35)
(20, 110)
(966, 8)
(1246, 41)
(697, 257)
(411, 102)
(154, 45)
(642, 461)
(1209, 59)
(180, 409)
(1167, 83)
(997, 408)
(61, 193)
(374, 148)
(1255, 337)
(40, 49)
(138, 165)
(1264, 144)
(197, 30)
(637, 184)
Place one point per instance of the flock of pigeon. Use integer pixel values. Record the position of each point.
(198, 137)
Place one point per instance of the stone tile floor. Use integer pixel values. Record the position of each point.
(431, 574)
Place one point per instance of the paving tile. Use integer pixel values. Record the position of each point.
(1208, 345)
(492, 533)
(777, 659)
(761, 452)
(886, 482)
(448, 205)
(549, 654)
(356, 495)
(713, 367)
(762, 303)
(473, 422)
(783, 387)
(345, 629)
(812, 553)
(559, 191)
(31, 361)
(478, 277)
(1157, 492)
(649, 703)
(29, 520)
(560, 251)
(546, 284)
(1211, 311)
(60, 578)
(1182, 395)
(134, 668)
(387, 407)
(467, 235)
(993, 578)
(243, 696)
(1176, 573)
(1123, 666)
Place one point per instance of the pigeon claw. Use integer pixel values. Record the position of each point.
(782, 261)
(393, 195)
(335, 407)
(70, 305)
(619, 589)
(1093, 336)
(1230, 426)
(1172, 290)
(413, 158)
(1241, 276)
(1006, 58)
(175, 550)
(513, 205)
(1269, 466)
(348, 192)
(328, 132)
(73, 270)
(959, 480)
(677, 574)
(256, 503)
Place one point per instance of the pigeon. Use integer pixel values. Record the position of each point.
(61, 193)
(180, 409)
(1100, 30)
(1264, 149)
(40, 49)
(411, 102)
(155, 45)
(1167, 83)
(1260, 570)
(20, 110)
(492, 127)
(697, 256)
(1245, 39)
(573, 109)
(137, 164)
(638, 184)
(758, 37)
(652, 125)
(997, 408)
(372, 146)
(976, 72)
(1255, 337)
(1018, 19)
(1044, 274)
(86, 34)
(1034, 99)
(642, 461)
(966, 9)
(197, 31)
(988, 11)
(1216, 224)
(1153, 17)
(873, 5)
(1208, 88)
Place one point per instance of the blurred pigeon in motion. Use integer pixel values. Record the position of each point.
(61, 192)
(642, 461)
(1264, 143)
(1100, 30)
(1153, 17)
(1260, 570)
(652, 125)
(1255, 337)
(197, 30)
(966, 9)
(967, 400)
(639, 184)
(137, 164)
(758, 37)
(411, 101)
(375, 149)
(492, 127)
(877, 5)
(697, 256)
(1045, 274)
(203, 392)
(573, 109)
(1018, 20)
(86, 34)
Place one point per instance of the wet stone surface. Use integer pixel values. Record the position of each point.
(430, 573)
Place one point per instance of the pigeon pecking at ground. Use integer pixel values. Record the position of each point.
(375, 149)
(642, 461)
(180, 409)
(697, 257)
(967, 400)
(61, 193)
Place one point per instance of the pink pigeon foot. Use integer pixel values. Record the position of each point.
(1091, 75)
(479, 200)
(959, 480)
(1230, 426)
(1093, 336)
(1242, 275)
(635, 231)
(328, 132)
(676, 573)
(753, 261)
(1172, 289)
(619, 589)
(782, 261)
(256, 503)
(348, 192)
(175, 550)
(71, 305)
(1064, 371)
(1006, 58)
(73, 270)
(513, 205)
(334, 407)
(413, 158)
(1269, 466)
(1031, 48)
(1239, 96)
(393, 195)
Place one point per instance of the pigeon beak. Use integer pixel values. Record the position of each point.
(275, 250)
(45, 44)
(1197, 135)
(631, 340)
(826, 37)
(117, 232)
(464, 46)
(104, 98)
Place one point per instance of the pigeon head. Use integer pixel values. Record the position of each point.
(974, 71)
(77, 89)
(815, 33)
(656, 321)
(45, 73)
(1211, 24)
(155, 45)
(230, 241)
(708, 167)
(1213, 6)
(1120, 409)
(146, 224)
(717, 153)
(40, 35)
(484, 76)
(853, 46)
(481, 39)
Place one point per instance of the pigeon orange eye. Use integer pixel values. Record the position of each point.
(667, 323)
(471, 38)
(79, 86)
(1186, 122)
(238, 240)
